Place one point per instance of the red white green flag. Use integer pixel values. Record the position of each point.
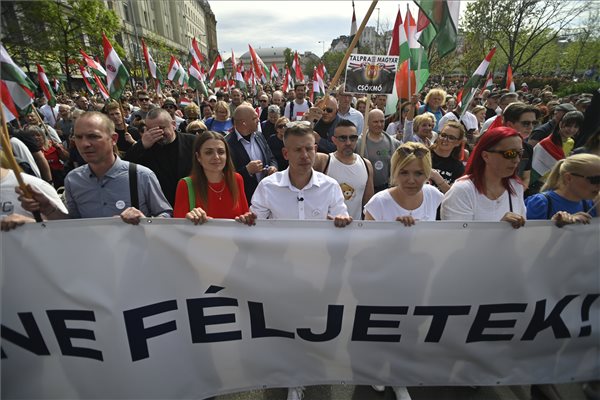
(474, 82)
(17, 90)
(260, 69)
(195, 52)
(510, 84)
(87, 79)
(117, 75)
(443, 15)
(101, 88)
(274, 72)
(297, 69)
(217, 70)
(288, 81)
(196, 80)
(152, 67)
(45, 86)
(489, 83)
(93, 64)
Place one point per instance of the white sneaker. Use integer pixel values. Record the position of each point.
(295, 393)
(378, 388)
(401, 393)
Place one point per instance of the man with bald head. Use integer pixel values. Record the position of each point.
(236, 100)
(249, 150)
(378, 148)
(278, 100)
(325, 126)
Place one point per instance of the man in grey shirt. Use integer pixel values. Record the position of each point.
(101, 188)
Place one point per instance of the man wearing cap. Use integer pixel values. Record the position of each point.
(345, 111)
(171, 106)
(546, 129)
(268, 126)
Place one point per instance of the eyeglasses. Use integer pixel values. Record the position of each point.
(594, 180)
(196, 131)
(418, 152)
(329, 110)
(144, 99)
(509, 154)
(264, 101)
(280, 126)
(169, 106)
(450, 138)
(345, 138)
(527, 123)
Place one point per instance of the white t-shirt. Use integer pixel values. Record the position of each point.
(8, 196)
(383, 207)
(469, 120)
(353, 182)
(464, 203)
(299, 110)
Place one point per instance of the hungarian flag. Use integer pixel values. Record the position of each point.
(353, 29)
(154, 71)
(510, 84)
(418, 61)
(93, 64)
(176, 71)
(443, 15)
(260, 69)
(274, 73)
(117, 73)
(87, 78)
(196, 53)
(239, 76)
(489, 83)
(217, 70)
(545, 155)
(45, 86)
(425, 30)
(474, 82)
(196, 80)
(288, 81)
(318, 88)
(297, 69)
(399, 47)
(17, 90)
(55, 85)
(101, 88)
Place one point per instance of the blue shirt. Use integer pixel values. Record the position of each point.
(92, 197)
(537, 205)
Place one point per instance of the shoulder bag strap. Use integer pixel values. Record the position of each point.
(133, 191)
(191, 192)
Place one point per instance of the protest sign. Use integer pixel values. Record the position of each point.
(370, 74)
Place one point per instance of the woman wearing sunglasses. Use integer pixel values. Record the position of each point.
(409, 199)
(214, 189)
(447, 155)
(490, 189)
(275, 142)
(569, 192)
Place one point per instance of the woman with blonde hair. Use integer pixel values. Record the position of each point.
(409, 199)
(569, 192)
(221, 120)
(434, 101)
(196, 127)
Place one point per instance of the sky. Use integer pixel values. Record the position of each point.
(299, 25)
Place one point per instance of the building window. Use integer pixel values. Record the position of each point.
(126, 12)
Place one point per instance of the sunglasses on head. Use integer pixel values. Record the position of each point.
(418, 152)
(281, 126)
(594, 180)
(297, 123)
(450, 138)
(345, 138)
(509, 154)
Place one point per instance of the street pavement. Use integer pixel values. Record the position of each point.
(350, 392)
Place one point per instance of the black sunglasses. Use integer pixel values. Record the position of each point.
(345, 138)
(419, 152)
(594, 180)
(144, 99)
(196, 131)
(169, 106)
(328, 110)
(509, 154)
(281, 126)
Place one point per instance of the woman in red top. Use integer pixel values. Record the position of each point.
(218, 189)
(53, 152)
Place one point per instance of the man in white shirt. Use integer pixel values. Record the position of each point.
(299, 192)
(295, 110)
(345, 111)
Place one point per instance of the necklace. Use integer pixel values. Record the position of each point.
(219, 193)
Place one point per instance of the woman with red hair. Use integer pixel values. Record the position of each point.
(490, 189)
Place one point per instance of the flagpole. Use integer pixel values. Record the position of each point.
(363, 143)
(41, 121)
(13, 163)
(342, 65)
(418, 76)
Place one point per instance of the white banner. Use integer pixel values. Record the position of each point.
(97, 308)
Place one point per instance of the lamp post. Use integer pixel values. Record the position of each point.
(323, 43)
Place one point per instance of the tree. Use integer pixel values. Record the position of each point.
(309, 67)
(53, 31)
(288, 56)
(520, 29)
(332, 60)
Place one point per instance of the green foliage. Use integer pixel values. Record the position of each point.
(332, 60)
(309, 67)
(578, 87)
(52, 32)
(288, 56)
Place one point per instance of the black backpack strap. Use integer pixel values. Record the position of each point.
(133, 191)
(549, 200)
(366, 167)
(292, 110)
(584, 205)
(327, 164)
(509, 201)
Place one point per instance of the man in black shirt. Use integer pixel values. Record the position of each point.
(167, 153)
(128, 135)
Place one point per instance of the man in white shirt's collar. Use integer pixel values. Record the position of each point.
(299, 192)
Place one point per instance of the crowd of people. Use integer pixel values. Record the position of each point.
(506, 156)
